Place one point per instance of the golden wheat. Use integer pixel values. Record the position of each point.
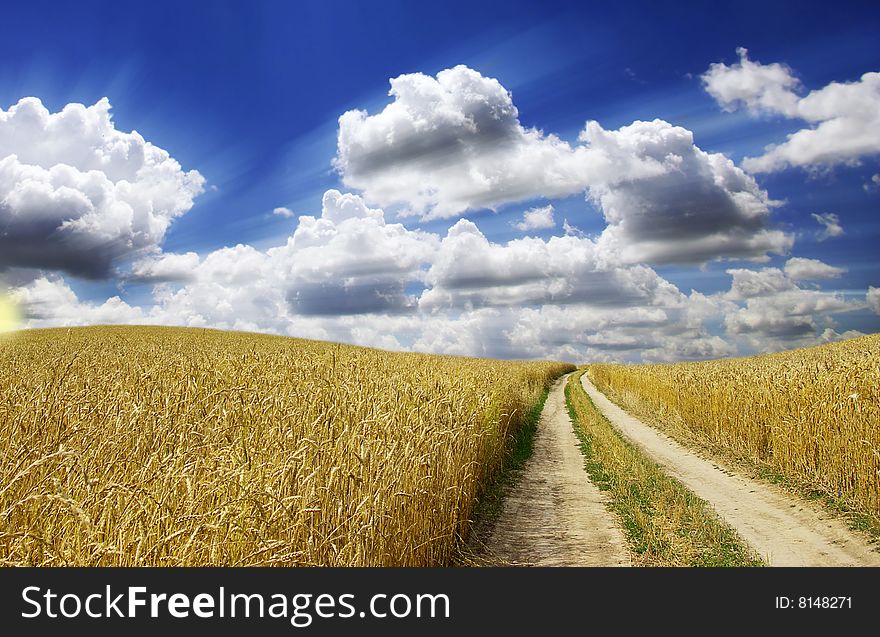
(164, 446)
(812, 415)
(665, 523)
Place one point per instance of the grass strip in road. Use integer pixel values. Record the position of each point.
(674, 426)
(665, 523)
(809, 415)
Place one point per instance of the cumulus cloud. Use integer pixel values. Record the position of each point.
(843, 117)
(574, 332)
(346, 262)
(76, 194)
(282, 211)
(698, 206)
(445, 145)
(747, 284)
(162, 267)
(536, 219)
(231, 288)
(395, 288)
(800, 269)
(334, 270)
(470, 271)
(762, 88)
(49, 302)
(226, 303)
(451, 143)
(571, 230)
(830, 223)
(348, 275)
(771, 312)
(846, 127)
(560, 297)
(830, 335)
(787, 319)
(872, 298)
(606, 334)
(350, 260)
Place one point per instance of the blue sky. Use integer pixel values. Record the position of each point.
(249, 94)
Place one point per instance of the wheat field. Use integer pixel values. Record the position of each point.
(811, 415)
(124, 446)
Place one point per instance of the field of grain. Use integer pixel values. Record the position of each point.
(811, 415)
(665, 523)
(163, 446)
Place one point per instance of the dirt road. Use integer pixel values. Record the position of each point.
(555, 516)
(784, 530)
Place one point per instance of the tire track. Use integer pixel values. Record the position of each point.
(784, 530)
(555, 516)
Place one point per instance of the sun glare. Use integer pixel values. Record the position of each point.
(9, 314)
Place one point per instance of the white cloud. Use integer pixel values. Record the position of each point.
(76, 194)
(830, 335)
(770, 312)
(787, 319)
(346, 276)
(800, 269)
(469, 271)
(238, 287)
(571, 230)
(606, 334)
(759, 87)
(342, 276)
(872, 298)
(528, 298)
(348, 261)
(843, 117)
(846, 120)
(50, 302)
(453, 143)
(561, 297)
(536, 219)
(830, 223)
(351, 261)
(747, 284)
(698, 206)
(282, 211)
(576, 332)
(479, 332)
(226, 303)
(167, 266)
(232, 288)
